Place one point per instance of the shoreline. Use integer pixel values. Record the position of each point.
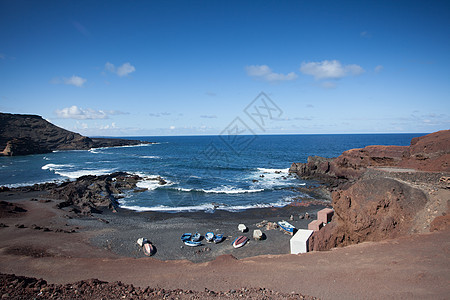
(117, 232)
(407, 267)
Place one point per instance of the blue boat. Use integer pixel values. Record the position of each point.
(192, 243)
(286, 226)
(209, 236)
(218, 238)
(196, 237)
(186, 237)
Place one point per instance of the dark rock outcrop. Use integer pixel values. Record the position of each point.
(89, 194)
(31, 134)
(370, 210)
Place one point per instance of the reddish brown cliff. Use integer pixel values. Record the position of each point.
(370, 203)
(370, 210)
(427, 153)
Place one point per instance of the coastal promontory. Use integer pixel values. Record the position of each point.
(31, 134)
(383, 192)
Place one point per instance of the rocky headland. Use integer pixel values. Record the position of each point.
(31, 134)
(382, 192)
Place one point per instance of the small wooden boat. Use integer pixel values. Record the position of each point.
(218, 238)
(196, 237)
(186, 237)
(209, 236)
(192, 243)
(240, 241)
(286, 226)
(148, 249)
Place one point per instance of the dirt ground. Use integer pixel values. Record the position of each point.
(44, 242)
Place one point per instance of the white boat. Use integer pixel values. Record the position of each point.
(286, 226)
(192, 243)
(240, 241)
(209, 236)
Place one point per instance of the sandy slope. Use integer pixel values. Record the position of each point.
(416, 266)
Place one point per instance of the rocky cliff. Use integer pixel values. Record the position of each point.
(381, 192)
(427, 153)
(31, 134)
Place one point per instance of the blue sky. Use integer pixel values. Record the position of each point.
(132, 68)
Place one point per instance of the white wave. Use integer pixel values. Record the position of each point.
(125, 146)
(231, 190)
(221, 190)
(279, 171)
(151, 182)
(79, 173)
(164, 208)
(30, 183)
(150, 156)
(45, 158)
(52, 167)
(202, 207)
(272, 178)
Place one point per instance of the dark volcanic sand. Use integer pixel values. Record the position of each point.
(120, 231)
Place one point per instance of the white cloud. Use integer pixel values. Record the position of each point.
(75, 112)
(122, 70)
(208, 116)
(379, 68)
(110, 67)
(75, 80)
(330, 69)
(172, 127)
(265, 73)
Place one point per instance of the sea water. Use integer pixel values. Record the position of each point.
(201, 172)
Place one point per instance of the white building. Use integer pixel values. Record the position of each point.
(300, 241)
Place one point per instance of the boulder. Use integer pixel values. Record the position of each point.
(258, 234)
(370, 210)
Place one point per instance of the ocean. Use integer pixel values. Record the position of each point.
(204, 173)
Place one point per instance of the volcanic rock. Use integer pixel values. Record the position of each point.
(427, 153)
(31, 134)
(89, 194)
(370, 210)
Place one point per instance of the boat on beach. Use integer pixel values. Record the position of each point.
(209, 236)
(196, 237)
(148, 249)
(186, 237)
(218, 238)
(240, 241)
(286, 226)
(192, 243)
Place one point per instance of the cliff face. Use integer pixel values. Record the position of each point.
(427, 153)
(382, 192)
(31, 134)
(370, 210)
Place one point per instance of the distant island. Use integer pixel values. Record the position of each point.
(31, 134)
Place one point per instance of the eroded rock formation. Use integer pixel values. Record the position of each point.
(427, 153)
(370, 203)
(370, 210)
(89, 194)
(31, 134)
